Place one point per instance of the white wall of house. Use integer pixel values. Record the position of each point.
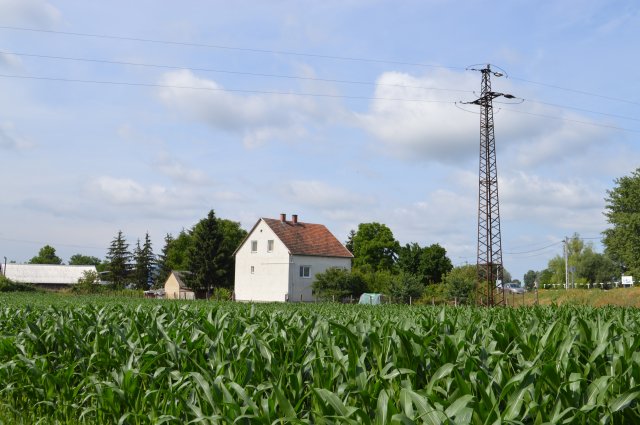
(262, 275)
(274, 275)
(301, 286)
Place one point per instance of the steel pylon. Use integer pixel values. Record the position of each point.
(489, 260)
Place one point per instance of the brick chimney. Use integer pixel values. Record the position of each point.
(294, 218)
(283, 218)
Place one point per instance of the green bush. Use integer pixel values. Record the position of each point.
(434, 294)
(405, 288)
(221, 294)
(8, 285)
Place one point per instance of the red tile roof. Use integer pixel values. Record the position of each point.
(307, 239)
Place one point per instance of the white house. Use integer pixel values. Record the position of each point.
(50, 276)
(278, 260)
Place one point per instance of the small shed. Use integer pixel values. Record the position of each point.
(175, 287)
(370, 298)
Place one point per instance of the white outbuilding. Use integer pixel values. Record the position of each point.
(278, 260)
(49, 276)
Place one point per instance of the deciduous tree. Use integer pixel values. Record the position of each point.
(336, 283)
(374, 247)
(461, 283)
(622, 240)
(83, 260)
(530, 279)
(46, 255)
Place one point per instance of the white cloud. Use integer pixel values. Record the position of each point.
(127, 197)
(258, 117)
(120, 191)
(530, 192)
(318, 194)
(429, 127)
(177, 170)
(38, 13)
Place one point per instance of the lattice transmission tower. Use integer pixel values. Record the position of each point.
(489, 262)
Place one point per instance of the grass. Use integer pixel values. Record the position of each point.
(622, 297)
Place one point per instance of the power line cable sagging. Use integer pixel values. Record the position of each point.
(306, 54)
(419, 98)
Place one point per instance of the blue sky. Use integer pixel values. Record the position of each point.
(82, 160)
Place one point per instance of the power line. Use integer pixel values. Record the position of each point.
(218, 89)
(226, 47)
(534, 250)
(586, 93)
(612, 127)
(302, 54)
(294, 77)
(223, 71)
(281, 93)
(578, 109)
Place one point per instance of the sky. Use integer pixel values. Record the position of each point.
(143, 116)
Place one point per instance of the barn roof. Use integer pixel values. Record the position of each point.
(45, 273)
(307, 238)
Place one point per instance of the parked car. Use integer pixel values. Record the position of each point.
(514, 288)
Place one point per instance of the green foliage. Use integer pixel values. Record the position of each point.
(622, 240)
(594, 267)
(378, 282)
(207, 258)
(589, 266)
(336, 283)
(46, 255)
(113, 360)
(88, 283)
(232, 236)
(429, 263)
(119, 258)
(461, 283)
(8, 285)
(405, 287)
(374, 248)
(221, 294)
(174, 256)
(144, 262)
(434, 294)
(83, 260)
(530, 280)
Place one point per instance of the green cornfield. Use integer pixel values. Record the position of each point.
(103, 360)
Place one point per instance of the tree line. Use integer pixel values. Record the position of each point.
(381, 264)
(204, 252)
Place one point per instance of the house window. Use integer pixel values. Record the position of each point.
(305, 271)
(270, 245)
(253, 269)
(254, 246)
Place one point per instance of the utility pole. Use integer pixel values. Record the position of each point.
(566, 263)
(489, 261)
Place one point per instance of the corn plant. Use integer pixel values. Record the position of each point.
(108, 360)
